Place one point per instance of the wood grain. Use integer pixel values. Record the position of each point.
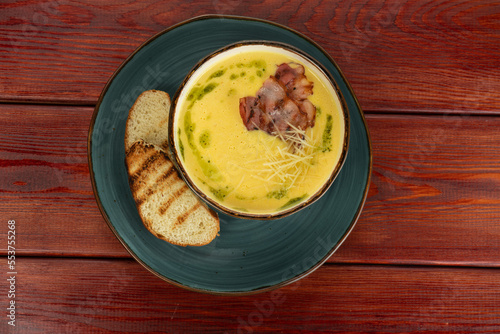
(45, 185)
(434, 196)
(82, 296)
(400, 56)
(435, 192)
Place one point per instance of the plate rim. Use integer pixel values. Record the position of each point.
(102, 209)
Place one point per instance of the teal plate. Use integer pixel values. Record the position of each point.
(249, 256)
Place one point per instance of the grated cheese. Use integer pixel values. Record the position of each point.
(284, 166)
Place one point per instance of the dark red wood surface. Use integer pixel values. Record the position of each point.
(398, 55)
(424, 255)
(120, 296)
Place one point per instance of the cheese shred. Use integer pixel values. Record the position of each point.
(286, 165)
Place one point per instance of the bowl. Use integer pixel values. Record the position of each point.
(259, 130)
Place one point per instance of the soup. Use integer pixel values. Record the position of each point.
(254, 171)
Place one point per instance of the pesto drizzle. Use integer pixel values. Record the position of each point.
(326, 145)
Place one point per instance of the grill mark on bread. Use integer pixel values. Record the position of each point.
(182, 218)
(142, 199)
(162, 180)
(171, 171)
(172, 199)
(145, 165)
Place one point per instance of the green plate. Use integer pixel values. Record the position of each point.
(248, 256)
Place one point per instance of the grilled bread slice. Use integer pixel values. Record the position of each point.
(148, 119)
(167, 207)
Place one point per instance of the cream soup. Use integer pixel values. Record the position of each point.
(253, 171)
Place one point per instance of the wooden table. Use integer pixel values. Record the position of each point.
(423, 256)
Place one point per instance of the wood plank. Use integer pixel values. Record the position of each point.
(435, 192)
(45, 185)
(434, 196)
(71, 295)
(412, 56)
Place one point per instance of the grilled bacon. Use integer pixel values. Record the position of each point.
(281, 103)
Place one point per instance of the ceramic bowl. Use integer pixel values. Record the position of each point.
(195, 162)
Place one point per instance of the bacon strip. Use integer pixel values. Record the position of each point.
(281, 103)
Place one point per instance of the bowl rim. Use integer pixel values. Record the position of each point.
(248, 215)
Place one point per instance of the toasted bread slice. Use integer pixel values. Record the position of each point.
(168, 208)
(148, 120)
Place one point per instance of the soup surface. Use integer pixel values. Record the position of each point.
(253, 171)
